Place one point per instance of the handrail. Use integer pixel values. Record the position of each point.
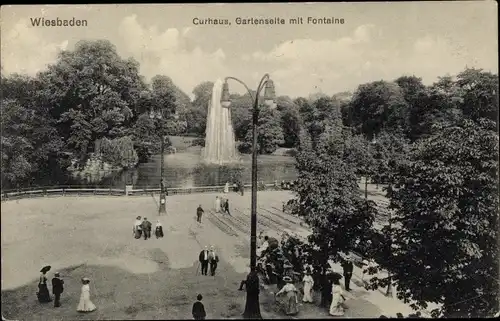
(64, 190)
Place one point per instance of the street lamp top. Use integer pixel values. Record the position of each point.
(269, 92)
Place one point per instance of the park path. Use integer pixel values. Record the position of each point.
(72, 231)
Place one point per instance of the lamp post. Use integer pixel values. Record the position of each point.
(252, 307)
(157, 115)
(372, 143)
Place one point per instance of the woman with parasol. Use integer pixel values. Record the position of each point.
(43, 291)
(290, 304)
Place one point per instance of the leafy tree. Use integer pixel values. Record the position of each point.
(118, 152)
(290, 121)
(360, 154)
(145, 138)
(16, 147)
(241, 114)
(92, 92)
(415, 94)
(163, 100)
(29, 139)
(378, 105)
(328, 194)
(323, 113)
(389, 151)
(270, 134)
(196, 114)
(444, 228)
(479, 93)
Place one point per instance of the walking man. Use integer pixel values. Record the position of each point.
(146, 228)
(203, 258)
(57, 289)
(226, 207)
(199, 213)
(213, 259)
(348, 267)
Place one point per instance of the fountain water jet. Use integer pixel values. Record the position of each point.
(220, 145)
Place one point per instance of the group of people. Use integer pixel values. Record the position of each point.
(222, 205)
(287, 185)
(43, 294)
(208, 258)
(278, 266)
(143, 228)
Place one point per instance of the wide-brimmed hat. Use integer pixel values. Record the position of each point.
(287, 279)
(85, 279)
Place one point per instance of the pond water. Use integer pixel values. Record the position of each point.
(187, 169)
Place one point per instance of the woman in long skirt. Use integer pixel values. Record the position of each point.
(158, 229)
(308, 287)
(43, 291)
(337, 308)
(290, 304)
(85, 304)
(138, 227)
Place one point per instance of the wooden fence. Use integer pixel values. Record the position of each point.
(113, 191)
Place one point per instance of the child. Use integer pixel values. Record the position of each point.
(198, 309)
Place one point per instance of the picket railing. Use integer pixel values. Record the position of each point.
(111, 191)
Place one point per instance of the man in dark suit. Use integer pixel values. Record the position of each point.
(199, 213)
(146, 228)
(57, 289)
(348, 267)
(198, 310)
(226, 206)
(203, 258)
(213, 259)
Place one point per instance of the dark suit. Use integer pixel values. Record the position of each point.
(203, 261)
(146, 229)
(226, 207)
(348, 267)
(213, 260)
(199, 212)
(57, 289)
(198, 311)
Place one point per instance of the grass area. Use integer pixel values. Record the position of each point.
(138, 279)
(131, 279)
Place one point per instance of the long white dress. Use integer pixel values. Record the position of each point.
(226, 188)
(217, 205)
(336, 307)
(85, 304)
(308, 286)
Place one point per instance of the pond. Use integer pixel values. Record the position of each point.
(187, 169)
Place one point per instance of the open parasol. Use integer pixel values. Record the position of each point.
(45, 269)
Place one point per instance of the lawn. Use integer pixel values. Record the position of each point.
(131, 279)
(138, 279)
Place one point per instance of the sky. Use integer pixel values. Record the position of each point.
(376, 41)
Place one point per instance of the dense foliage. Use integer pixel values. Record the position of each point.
(444, 228)
(436, 149)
